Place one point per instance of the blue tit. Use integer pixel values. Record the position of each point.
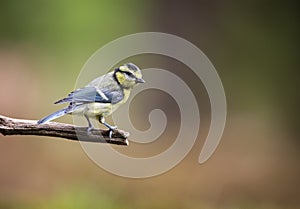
(101, 97)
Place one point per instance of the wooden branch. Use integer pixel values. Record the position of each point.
(11, 126)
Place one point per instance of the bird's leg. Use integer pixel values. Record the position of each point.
(89, 129)
(111, 128)
(102, 121)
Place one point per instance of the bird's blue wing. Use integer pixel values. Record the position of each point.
(86, 95)
(114, 96)
(92, 94)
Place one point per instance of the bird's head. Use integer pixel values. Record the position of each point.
(128, 75)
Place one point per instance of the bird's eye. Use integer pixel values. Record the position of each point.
(129, 73)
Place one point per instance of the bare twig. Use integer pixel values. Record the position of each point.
(11, 126)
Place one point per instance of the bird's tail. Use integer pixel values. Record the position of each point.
(53, 116)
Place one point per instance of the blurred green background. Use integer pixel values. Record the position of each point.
(253, 45)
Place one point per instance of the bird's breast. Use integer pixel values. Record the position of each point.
(126, 93)
(95, 109)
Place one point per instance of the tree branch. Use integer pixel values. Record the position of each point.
(11, 126)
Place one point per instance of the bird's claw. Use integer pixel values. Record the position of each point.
(113, 127)
(89, 130)
(110, 133)
(111, 130)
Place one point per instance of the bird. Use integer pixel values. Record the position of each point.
(101, 97)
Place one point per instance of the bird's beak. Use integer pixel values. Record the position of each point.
(140, 80)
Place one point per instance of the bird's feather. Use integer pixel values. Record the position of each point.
(92, 94)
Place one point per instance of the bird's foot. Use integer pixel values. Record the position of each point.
(89, 130)
(111, 130)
